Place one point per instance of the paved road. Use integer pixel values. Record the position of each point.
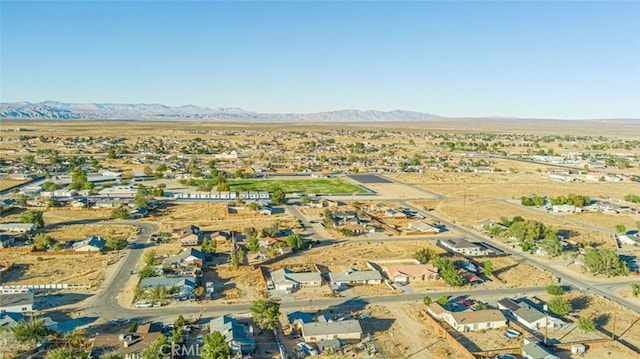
(105, 303)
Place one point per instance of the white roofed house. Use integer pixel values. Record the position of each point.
(16, 302)
(528, 314)
(18, 227)
(423, 227)
(352, 277)
(464, 247)
(286, 279)
(469, 320)
(91, 244)
(343, 330)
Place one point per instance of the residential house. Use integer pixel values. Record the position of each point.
(352, 277)
(118, 192)
(462, 246)
(187, 236)
(188, 262)
(469, 320)
(9, 319)
(423, 227)
(239, 336)
(533, 349)
(185, 285)
(411, 272)
(528, 314)
(393, 213)
(129, 345)
(286, 279)
(18, 227)
(91, 244)
(139, 212)
(343, 330)
(16, 302)
(630, 239)
(6, 241)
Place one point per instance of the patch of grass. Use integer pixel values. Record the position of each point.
(314, 185)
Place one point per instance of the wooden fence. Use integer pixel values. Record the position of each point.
(465, 353)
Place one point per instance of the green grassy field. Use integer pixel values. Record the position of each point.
(311, 185)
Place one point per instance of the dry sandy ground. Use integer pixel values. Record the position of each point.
(510, 186)
(68, 269)
(214, 216)
(7, 183)
(81, 231)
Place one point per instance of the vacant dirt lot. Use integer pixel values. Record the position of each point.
(70, 269)
(214, 216)
(81, 231)
(7, 183)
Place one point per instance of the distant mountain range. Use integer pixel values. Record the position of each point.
(52, 110)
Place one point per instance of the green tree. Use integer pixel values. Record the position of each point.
(146, 272)
(295, 241)
(60, 353)
(238, 256)
(278, 196)
(147, 171)
(42, 241)
(620, 228)
(138, 292)
(448, 271)
(149, 258)
(208, 245)
(559, 306)
(32, 216)
(52, 202)
(158, 293)
(253, 245)
(180, 322)
(31, 331)
(424, 255)
(586, 324)
(551, 244)
(115, 243)
(555, 290)
(111, 355)
(223, 186)
(157, 349)
(527, 232)
(120, 213)
(265, 313)
(487, 268)
(605, 262)
(215, 347)
(635, 289)
(76, 338)
(443, 300)
(253, 206)
(426, 300)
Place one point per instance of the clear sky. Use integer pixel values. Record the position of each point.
(509, 58)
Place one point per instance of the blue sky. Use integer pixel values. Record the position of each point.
(526, 59)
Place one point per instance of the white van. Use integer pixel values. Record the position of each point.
(144, 304)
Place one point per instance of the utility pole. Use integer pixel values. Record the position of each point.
(546, 326)
(613, 331)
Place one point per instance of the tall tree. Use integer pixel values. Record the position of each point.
(265, 313)
(31, 331)
(32, 216)
(278, 196)
(215, 347)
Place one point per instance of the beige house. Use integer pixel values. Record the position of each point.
(469, 320)
(412, 272)
(344, 330)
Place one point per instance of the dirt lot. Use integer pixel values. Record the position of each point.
(81, 231)
(517, 274)
(69, 269)
(470, 213)
(515, 185)
(7, 183)
(239, 285)
(214, 216)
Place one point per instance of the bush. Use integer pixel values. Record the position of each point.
(426, 300)
(555, 290)
(39, 259)
(133, 327)
(559, 306)
(443, 300)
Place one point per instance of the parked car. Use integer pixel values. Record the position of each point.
(144, 304)
(200, 339)
(308, 348)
